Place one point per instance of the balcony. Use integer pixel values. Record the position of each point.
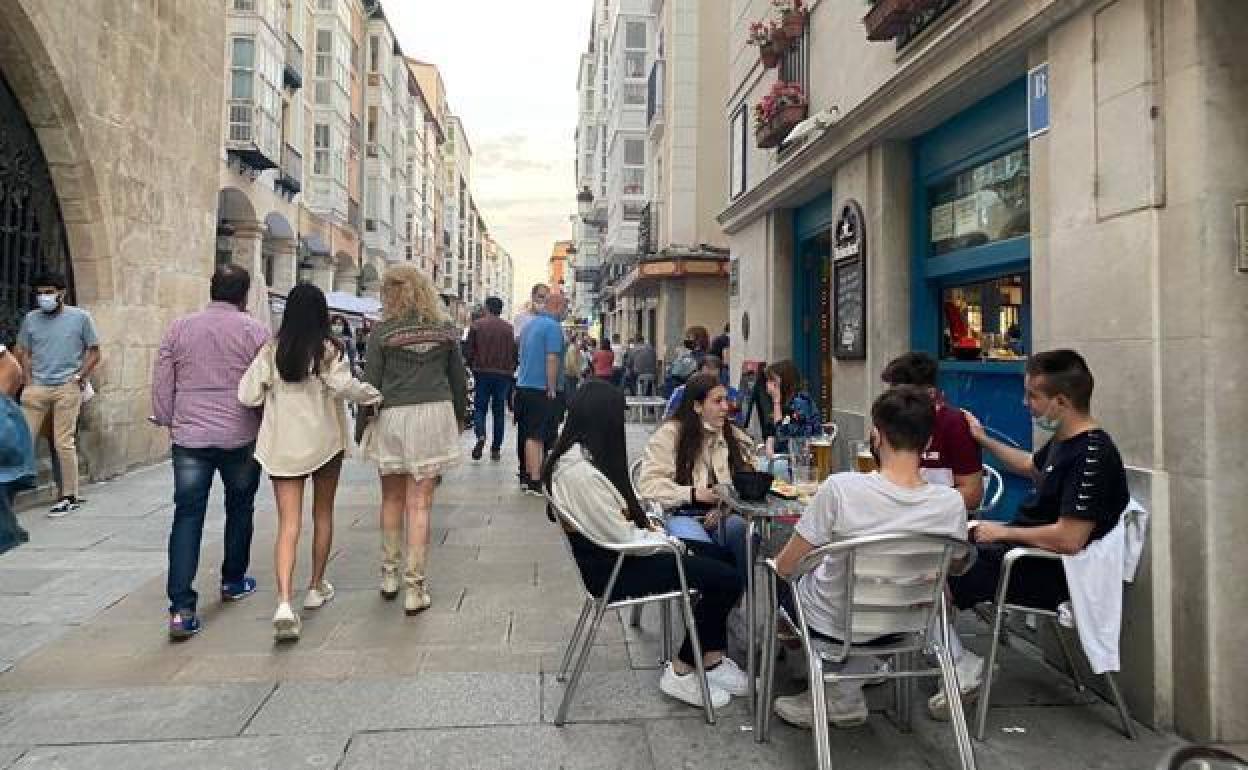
(291, 176)
(247, 138)
(292, 71)
(654, 95)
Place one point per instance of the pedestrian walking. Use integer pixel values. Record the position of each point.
(301, 380)
(346, 338)
(17, 452)
(58, 349)
(202, 359)
(539, 406)
(617, 361)
(492, 355)
(416, 364)
(604, 362)
(530, 310)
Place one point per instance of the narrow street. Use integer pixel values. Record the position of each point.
(91, 681)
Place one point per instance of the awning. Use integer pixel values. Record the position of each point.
(315, 244)
(342, 302)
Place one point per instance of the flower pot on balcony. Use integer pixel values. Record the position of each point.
(887, 18)
(793, 24)
(786, 119)
(770, 54)
(767, 137)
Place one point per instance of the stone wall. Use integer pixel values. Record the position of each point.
(126, 98)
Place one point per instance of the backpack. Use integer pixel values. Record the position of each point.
(684, 366)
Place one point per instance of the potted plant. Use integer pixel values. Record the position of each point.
(792, 16)
(770, 41)
(779, 111)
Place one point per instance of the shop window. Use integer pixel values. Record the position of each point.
(985, 320)
(982, 205)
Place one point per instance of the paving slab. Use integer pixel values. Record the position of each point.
(425, 700)
(61, 609)
(575, 747)
(611, 696)
(17, 641)
(246, 753)
(14, 582)
(10, 754)
(128, 714)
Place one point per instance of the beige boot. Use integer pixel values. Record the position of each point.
(391, 551)
(415, 597)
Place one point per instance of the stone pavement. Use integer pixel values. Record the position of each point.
(88, 678)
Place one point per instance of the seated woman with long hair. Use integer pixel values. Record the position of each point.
(793, 412)
(696, 449)
(586, 475)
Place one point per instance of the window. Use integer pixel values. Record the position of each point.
(739, 142)
(635, 34)
(244, 5)
(372, 131)
(242, 68)
(635, 93)
(324, 52)
(320, 151)
(795, 67)
(984, 320)
(634, 152)
(635, 64)
(325, 5)
(985, 204)
(374, 53)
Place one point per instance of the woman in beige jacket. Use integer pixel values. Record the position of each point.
(687, 456)
(301, 379)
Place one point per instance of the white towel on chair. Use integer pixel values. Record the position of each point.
(1095, 576)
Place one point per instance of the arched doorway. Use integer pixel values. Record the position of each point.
(32, 235)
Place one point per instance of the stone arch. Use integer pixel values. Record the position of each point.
(280, 253)
(48, 101)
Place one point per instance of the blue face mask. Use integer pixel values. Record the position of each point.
(1047, 423)
(47, 302)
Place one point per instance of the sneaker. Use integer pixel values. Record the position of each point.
(534, 488)
(183, 625)
(729, 677)
(496, 455)
(286, 624)
(970, 670)
(415, 598)
(238, 589)
(478, 448)
(687, 689)
(389, 582)
(65, 506)
(847, 707)
(318, 596)
(523, 478)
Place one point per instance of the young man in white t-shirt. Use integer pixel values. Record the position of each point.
(894, 499)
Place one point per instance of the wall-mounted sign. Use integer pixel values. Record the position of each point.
(1038, 100)
(849, 284)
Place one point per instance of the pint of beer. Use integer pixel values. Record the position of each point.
(821, 456)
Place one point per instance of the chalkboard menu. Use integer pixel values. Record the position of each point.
(849, 284)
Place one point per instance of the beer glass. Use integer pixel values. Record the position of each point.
(864, 461)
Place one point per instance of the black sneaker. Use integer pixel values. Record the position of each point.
(496, 455)
(478, 448)
(534, 488)
(65, 506)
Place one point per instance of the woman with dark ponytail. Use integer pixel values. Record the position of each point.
(587, 476)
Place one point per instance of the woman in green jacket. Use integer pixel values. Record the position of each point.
(414, 360)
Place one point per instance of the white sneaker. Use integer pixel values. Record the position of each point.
(847, 707)
(729, 677)
(318, 596)
(970, 670)
(286, 624)
(686, 688)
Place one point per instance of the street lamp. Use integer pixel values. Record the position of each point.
(585, 203)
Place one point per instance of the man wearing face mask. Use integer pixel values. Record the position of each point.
(58, 349)
(1079, 495)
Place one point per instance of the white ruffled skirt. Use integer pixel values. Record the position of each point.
(421, 440)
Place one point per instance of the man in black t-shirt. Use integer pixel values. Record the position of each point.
(1080, 493)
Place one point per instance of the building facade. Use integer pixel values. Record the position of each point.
(109, 167)
(992, 179)
(589, 227)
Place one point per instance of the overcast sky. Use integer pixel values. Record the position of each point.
(510, 71)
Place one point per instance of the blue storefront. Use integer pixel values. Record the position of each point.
(971, 276)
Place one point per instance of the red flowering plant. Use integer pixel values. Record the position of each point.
(762, 32)
(782, 96)
(793, 16)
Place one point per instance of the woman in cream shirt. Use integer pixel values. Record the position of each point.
(301, 380)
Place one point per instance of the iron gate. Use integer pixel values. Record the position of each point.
(32, 236)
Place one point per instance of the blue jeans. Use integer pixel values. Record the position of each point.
(729, 534)
(193, 470)
(491, 393)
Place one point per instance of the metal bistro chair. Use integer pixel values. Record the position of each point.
(1000, 608)
(655, 512)
(994, 489)
(596, 606)
(894, 595)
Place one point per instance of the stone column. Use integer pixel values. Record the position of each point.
(248, 252)
(285, 264)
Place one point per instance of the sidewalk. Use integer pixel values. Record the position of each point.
(88, 678)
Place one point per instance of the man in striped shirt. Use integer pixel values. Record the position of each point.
(195, 395)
